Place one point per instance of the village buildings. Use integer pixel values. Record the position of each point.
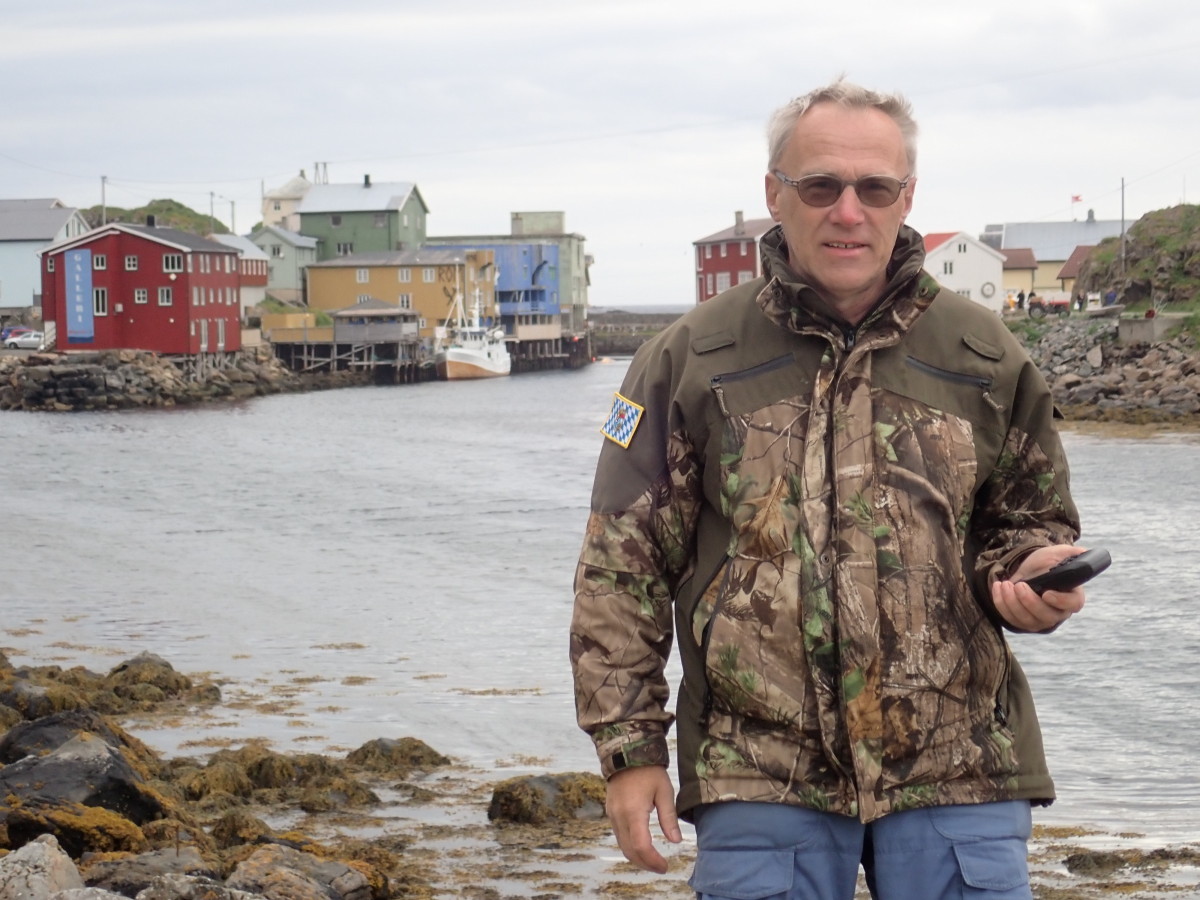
(729, 256)
(26, 228)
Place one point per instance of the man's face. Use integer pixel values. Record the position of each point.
(842, 250)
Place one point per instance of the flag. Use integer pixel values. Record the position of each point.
(1076, 198)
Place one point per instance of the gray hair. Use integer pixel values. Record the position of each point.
(850, 96)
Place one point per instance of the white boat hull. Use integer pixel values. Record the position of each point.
(461, 363)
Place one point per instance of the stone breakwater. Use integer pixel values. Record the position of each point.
(126, 379)
(1095, 378)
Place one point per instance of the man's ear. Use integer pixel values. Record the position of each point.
(908, 196)
(771, 185)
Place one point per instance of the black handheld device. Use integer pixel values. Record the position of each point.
(1072, 571)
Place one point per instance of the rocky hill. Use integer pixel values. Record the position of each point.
(1160, 264)
(167, 214)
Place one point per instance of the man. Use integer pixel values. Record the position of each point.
(826, 485)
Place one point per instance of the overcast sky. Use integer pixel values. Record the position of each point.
(643, 121)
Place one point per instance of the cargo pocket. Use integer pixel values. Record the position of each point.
(994, 870)
(743, 874)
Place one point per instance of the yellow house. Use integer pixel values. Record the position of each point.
(424, 280)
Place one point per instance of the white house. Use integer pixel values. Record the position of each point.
(966, 266)
(26, 228)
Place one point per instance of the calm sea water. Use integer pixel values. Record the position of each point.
(398, 561)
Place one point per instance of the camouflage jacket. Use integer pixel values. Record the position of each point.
(815, 513)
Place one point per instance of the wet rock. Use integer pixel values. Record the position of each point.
(37, 869)
(538, 799)
(87, 771)
(33, 701)
(240, 827)
(147, 669)
(283, 872)
(194, 887)
(398, 758)
(1094, 863)
(128, 876)
(47, 734)
(79, 829)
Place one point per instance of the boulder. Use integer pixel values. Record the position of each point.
(38, 869)
(538, 799)
(135, 873)
(397, 758)
(283, 872)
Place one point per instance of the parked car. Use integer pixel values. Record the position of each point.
(29, 340)
(12, 331)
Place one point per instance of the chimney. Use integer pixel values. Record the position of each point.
(366, 181)
(1091, 215)
(739, 223)
(150, 222)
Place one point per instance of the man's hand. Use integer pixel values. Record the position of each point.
(1025, 610)
(632, 795)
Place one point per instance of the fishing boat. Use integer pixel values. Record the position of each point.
(470, 348)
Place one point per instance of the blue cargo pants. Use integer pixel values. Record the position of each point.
(769, 851)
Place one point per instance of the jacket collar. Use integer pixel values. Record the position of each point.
(792, 303)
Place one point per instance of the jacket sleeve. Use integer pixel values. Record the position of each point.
(637, 547)
(1025, 502)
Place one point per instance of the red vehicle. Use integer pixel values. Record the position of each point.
(13, 331)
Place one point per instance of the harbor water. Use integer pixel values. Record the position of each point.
(397, 561)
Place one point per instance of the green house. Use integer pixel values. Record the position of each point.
(363, 218)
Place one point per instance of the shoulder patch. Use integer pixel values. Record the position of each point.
(622, 421)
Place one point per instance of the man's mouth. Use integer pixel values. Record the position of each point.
(842, 245)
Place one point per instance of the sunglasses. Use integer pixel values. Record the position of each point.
(825, 190)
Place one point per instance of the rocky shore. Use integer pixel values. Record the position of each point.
(90, 812)
(127, 379)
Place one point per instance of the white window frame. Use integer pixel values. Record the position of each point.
(99, 262)
(131, 263)
(429, 274)
(345, 248)
(405, 274)
(99, 301)
(164, 296)
(362, 276)
(141, 296)
(172, 262)
(405, 301)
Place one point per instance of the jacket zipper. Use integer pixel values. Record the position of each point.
(979, 381)
(718, 381)
(706, 635)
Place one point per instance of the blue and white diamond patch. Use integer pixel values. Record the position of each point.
(623, 421)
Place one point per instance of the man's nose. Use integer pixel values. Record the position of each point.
(848, 209)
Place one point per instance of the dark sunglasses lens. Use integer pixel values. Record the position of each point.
(878, 191)
(820, 190)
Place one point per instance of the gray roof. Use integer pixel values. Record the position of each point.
(33, 220)
(347, 198)
(1052, 241)
(375, 308)
(289, 237)
(417, 256)
(245, 247)
(184, 240)
(750, 230)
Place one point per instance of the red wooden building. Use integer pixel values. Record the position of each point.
(143, 288)
(729, 257)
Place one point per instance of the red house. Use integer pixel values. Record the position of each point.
(729, 257)
(143, 288)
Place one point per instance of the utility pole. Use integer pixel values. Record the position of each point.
(103, 201)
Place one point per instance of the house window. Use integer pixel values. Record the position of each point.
(172, 262)
(708, 251)
(277, 206)
(380, 219)
(361, 276)
(428, 274)
(141, 295)
(722, 281)
(745, 247)
(406, 301)
(164, 296)
(724, 250)
(744, 276)
(948, 268)
(335, 220)
(363, 298)
(345, 249)
(962, 248)
(131, 264)
(709, 283)
(99, 261)
(50, 264)
(276, 251)
(100, 301)
(405, 275)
